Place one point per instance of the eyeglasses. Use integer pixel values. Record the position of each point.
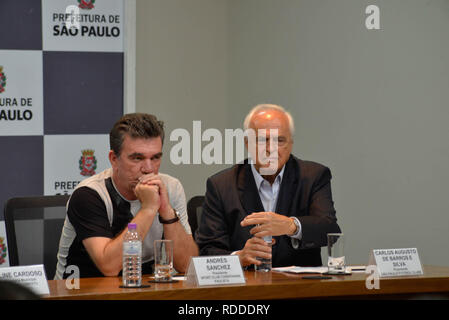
(262, 140)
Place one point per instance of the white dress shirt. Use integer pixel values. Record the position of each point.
(269, 194)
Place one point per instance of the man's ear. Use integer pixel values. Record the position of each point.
(112, 157)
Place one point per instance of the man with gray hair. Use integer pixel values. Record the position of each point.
(275, 194)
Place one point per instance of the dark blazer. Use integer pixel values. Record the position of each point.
(305, 192)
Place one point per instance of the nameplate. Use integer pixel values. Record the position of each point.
(215, 270)
(396, 262)
(33, 277)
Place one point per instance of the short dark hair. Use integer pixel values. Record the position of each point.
(136, 125)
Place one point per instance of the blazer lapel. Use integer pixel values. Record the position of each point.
(288, 187)
(286, 200)
(247, 190)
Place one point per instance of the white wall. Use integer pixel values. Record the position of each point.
(371, 105)
(182, 73)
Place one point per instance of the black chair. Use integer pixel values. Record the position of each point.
(194, 211)
(33, 228)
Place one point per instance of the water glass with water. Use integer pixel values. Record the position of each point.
(163, 260)
(336, 254)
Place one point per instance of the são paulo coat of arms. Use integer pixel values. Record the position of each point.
(87, 162)
(86, 4)
(2, 251)
(2, 80)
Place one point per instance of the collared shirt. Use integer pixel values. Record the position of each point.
(269, 194)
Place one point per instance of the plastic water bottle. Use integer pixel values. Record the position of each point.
(132, 258)
(265, 266)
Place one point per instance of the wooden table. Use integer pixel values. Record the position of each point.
(269, 286)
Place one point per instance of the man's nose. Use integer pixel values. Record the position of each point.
(147, 166)
(272, 146)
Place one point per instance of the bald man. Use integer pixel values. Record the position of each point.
(276, 195)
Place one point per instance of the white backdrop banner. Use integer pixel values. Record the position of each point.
(68, 159)
(85, 25)
(21, 99)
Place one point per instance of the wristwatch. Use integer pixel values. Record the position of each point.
(298, 226)
(170, 221)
